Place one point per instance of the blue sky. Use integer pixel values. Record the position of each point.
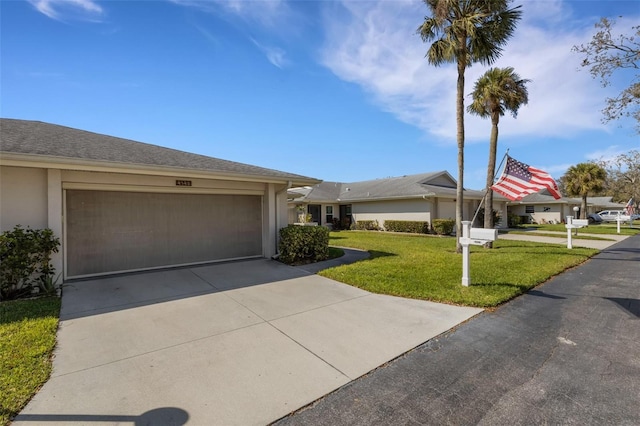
(335, 90)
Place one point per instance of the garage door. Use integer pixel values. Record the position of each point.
(110, 231)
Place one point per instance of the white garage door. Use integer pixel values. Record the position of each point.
(110, 231)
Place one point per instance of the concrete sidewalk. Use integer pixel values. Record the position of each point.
(241, 343)
(562, 239)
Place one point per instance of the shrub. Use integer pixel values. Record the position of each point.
(25, 262)
(367, 225)
(414, 226)
(443, 226)
(496, 218)
(300, 244)
(513, 220)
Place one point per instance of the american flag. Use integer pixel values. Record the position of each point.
(629, 207)
(519, 179)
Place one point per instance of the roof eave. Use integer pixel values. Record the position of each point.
(393, 198)
(52, 162)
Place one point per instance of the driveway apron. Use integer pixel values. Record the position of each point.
(232, 343)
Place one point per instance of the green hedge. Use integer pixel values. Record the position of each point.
(443, 226)
(367, 225)
(25, 262)
(413, 226)
(300, 244)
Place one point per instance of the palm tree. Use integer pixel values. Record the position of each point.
(465, 32)
(584, 179)
(497, 91)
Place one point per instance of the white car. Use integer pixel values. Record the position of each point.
(612, 215)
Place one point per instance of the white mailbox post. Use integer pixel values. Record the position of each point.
(473, 236)
(574, 224)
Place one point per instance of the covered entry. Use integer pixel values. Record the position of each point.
(112, 231)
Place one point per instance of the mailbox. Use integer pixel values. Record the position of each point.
(483, 234)
(580, 222)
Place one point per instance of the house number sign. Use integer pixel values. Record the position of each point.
(183, 183)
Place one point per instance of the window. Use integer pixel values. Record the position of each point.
(529, 209)
(329, 214)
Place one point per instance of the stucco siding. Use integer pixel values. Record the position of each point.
(23, 193)
(417, 210)
(446, 209)
(151, 183)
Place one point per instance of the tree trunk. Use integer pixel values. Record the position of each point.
(491, 172)
(462, 63)
(583, 207)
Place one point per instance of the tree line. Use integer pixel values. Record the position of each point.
(618, 178)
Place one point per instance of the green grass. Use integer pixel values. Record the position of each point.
(426, 267)
(335, 252)
(27, 338)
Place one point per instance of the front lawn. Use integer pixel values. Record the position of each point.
(427, 267)
(27, 338)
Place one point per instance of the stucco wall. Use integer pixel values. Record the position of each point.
(150, 183)
(446, 209)
(419, 210)
(23, 197)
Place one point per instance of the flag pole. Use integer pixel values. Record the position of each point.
(489, 189)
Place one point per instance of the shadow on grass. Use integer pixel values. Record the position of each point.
(19, 310)
(522, 287)
(376, 254)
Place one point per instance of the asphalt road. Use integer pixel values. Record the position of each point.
(567, 352)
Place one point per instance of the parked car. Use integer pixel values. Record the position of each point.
(594, 218)
(612, 215)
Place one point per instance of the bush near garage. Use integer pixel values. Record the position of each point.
(412, 226)
(25, 262)
(443, 226)
(303, 244)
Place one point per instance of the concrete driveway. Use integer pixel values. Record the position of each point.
(234, 343)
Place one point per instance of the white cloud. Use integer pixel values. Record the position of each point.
(275, 55)
(63, 10)
(375, 45)
(265, 12)
(609, 153)
(268, 14)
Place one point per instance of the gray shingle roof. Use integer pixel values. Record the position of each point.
(411, 186)
(51, 140)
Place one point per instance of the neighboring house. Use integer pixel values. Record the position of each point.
(543, 208)
(597, 204)
(119, 205)
(421, 197)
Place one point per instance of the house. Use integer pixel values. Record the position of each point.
(119, 205)
(543, 208)
(420, 197)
